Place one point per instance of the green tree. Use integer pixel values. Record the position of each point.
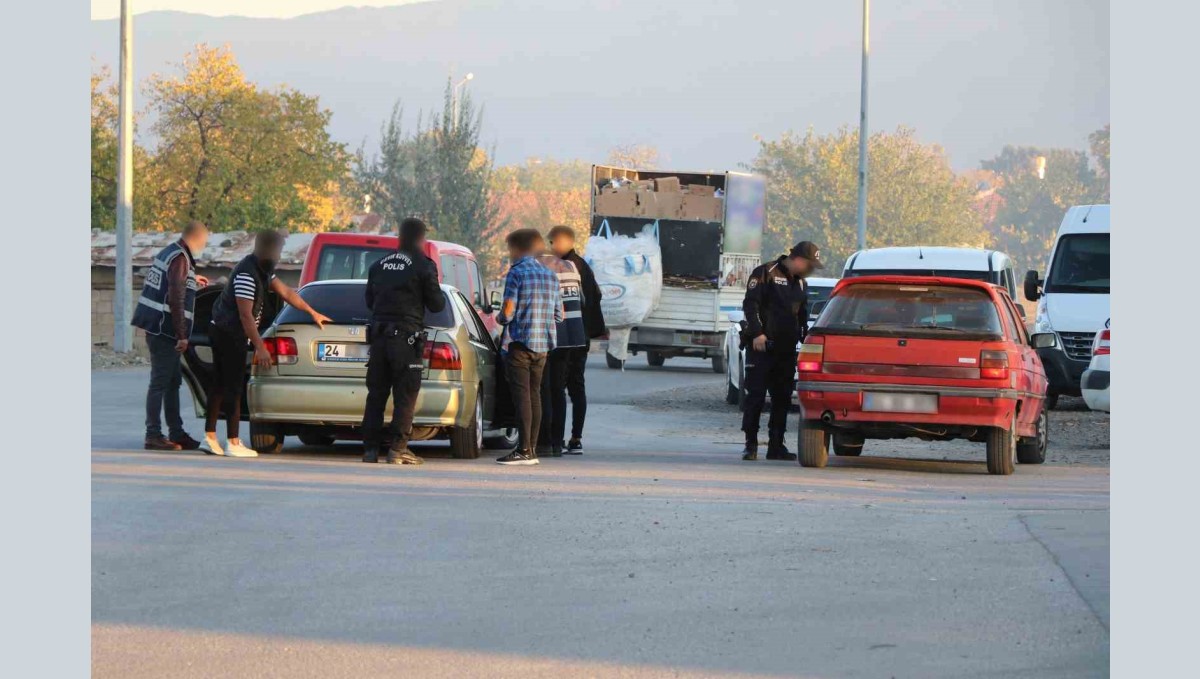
(1098, 142)
(104, 151)
(913, 196)
(439, 173)
(1032, 207)
(234, 155)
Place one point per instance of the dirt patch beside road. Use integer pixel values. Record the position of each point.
(1077, 435)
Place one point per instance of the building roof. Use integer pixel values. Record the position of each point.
(224, 249)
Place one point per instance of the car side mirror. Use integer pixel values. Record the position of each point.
(1033, 286)
(1043, 340)
(494, 301)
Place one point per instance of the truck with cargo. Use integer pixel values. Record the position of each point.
(710, 227)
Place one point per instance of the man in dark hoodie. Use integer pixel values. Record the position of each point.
(562, 243)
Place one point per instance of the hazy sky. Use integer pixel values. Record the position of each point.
(107, 9)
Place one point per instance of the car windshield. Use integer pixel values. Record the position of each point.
(346, 304)
(348, 262)
(1080, 264)
(911, 309)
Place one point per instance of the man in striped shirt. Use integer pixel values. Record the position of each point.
(530, 312)
(236, 317)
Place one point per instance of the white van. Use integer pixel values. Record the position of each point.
(1073, 297)
(975, 264)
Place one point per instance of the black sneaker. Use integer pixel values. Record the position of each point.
(371, 455)
(574, 447)
(750, 454)
(518, 457)
(780, 452)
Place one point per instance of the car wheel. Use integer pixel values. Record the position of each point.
(1051, 401)
(655, 359)
(613, 362)
(813, 445)
(322, 440)
(465, 442)
(845, 445)
(1033, 450)
(718, 364)
(1002, 449)
(265, 438)
(506, 440)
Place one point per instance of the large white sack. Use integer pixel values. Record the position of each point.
(629, 273)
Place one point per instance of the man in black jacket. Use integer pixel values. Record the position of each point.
(400, 287)
(776, 309)
(562, 243)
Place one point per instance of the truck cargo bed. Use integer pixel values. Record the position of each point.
(695, 310)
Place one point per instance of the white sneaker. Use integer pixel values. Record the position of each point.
(211, 445)
(234, 448)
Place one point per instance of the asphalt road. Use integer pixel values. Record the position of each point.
(657, 553)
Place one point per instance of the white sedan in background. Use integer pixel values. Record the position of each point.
(1094, 383)
(735, 358)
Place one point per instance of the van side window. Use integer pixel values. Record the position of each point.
(476, 283)
(454, 273)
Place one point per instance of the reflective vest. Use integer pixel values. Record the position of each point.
(152, 312)
(571, 331)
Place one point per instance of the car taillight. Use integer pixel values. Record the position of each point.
(442, 356)
(1103, 343)
(282, 350)
(811, 355)
(993, 365)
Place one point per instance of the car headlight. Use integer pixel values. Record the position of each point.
(1041, 322)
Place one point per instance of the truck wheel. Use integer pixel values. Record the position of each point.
(655, 359)
(813, 445)
(1002, 449)
(322, 440)
(265, 438)
(465, 442)
(718, 363)
(845, 445)
(613, 362)
(1051, 401)
(1033, 450)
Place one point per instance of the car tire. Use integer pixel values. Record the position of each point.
(655, 359)
(1002, 449)
(465, 442)
(718, 364)
(813, 445)
(1032, 450)
(321, 440)
(847, 446)
(266, 438)
(506, 440)
(613, 362)
(1051, 401)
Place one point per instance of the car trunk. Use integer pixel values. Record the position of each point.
(902, 356)
(340, 350)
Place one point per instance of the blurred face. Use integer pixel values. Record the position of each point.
(562, 244)
(197, 241)
(799, 266)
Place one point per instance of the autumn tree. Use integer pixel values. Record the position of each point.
(540, 194)
(235, 155)
(104, 159)
(913, 196)
(636, 156)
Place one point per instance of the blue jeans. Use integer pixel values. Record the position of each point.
(166, 376)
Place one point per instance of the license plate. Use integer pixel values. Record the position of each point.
(342, 353)
(883, 402)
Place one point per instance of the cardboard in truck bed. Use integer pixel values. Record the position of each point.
(667, 185)
(617, 204)
(701, 190)
(705, 208)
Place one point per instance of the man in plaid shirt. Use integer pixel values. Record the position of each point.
(531, 309)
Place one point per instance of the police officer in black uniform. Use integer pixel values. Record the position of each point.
(400, 287)
(776, 309)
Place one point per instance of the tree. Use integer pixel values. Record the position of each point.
(1032, 207)
(913, 198)
(1098, 142)
(234, 155)
(104, 151)
(438, 173)
(540, 194)
(636, 156)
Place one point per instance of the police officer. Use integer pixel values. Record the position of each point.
(776, 309)
(400, 287)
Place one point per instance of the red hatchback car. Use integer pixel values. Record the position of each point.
(933, 358)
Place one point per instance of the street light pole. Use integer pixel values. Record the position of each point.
(863, 131)
(457, 87)
(123, 290)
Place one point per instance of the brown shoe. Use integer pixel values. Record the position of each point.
(161, 443)
(185, 442)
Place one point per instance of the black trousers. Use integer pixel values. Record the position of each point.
(162, 396)
(769, 372)
(524, 369)
(554, 398)
(394, 369)
(576, 363)
(229, 350)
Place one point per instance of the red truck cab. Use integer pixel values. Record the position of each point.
(927, 357)
(350, 256)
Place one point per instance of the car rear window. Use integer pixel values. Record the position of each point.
(911, 309)
(342, 262)
(347, 304)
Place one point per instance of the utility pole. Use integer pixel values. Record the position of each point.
(863, 132)
(123, 291)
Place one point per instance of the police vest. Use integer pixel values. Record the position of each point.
(153, 314)
(571, 331)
